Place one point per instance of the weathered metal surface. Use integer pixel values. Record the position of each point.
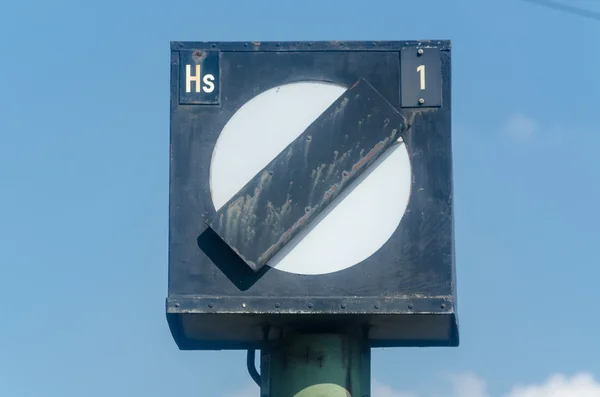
(405, 292)
(298, 184)
(312, 46)
(316, 365)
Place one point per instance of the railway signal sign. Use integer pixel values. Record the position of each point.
(311, 190)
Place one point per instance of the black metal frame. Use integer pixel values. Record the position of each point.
(407, 287)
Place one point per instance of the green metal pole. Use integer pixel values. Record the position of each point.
(316, 365)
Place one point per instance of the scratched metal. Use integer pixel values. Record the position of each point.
(308, 175)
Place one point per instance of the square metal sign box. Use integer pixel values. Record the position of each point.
(288, 160)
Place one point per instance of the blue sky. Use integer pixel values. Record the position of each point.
(84, 93)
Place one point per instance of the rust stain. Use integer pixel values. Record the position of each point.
(369, 155)
(331, 190)
(356, 167)
(198, 55)
(285, 236)
(329, 193)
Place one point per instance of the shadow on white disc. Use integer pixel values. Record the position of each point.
(359, 223)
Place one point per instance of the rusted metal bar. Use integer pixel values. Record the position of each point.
(308, 175)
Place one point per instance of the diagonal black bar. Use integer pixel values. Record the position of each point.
(309, 174)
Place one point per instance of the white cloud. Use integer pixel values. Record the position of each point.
(470, 385)
(521, 128)
(378, 389)
(524, 129)
(580, 385)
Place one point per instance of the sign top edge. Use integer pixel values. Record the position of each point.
(308, 45)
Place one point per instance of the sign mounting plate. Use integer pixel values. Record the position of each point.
(421, 70)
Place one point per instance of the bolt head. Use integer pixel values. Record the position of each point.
(420, 51)
(421, 101)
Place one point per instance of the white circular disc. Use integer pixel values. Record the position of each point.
(358, 225)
